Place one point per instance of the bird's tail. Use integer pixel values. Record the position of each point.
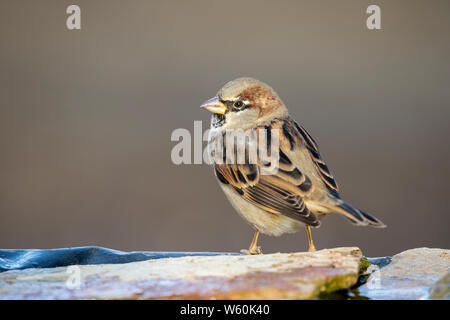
(357, 216)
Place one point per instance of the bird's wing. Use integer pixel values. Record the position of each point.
(279, 193)
(296, 134)
(298, 137)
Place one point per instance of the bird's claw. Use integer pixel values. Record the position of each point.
(252, 251)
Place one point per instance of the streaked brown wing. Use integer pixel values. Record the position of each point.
(239, 176)
(292, 131)
(280, 193)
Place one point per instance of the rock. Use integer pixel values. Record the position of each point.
(281, 275)
(441, 289)
(410, 275)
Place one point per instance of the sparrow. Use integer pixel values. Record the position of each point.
(300, 192)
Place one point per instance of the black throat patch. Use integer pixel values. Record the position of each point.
(217, 120)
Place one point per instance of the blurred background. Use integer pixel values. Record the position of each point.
(86, 118)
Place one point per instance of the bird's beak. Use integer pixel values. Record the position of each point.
(214, 105)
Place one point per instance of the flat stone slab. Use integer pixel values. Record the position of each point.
(441, 289)
(412, 274)
(302, 275)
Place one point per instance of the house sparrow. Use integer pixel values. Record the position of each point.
(300, 192)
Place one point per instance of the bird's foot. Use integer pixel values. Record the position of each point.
(252, 251)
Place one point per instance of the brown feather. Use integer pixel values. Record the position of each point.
(280, 193)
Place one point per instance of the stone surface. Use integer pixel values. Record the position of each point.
(289, 275)
(441, 289)
(410, 275)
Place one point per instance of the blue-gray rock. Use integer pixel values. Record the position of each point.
(410, 275)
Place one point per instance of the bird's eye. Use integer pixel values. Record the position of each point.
(238, 104)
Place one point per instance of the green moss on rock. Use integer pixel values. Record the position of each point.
(363, 266)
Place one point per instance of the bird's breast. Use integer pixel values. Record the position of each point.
(267, 223)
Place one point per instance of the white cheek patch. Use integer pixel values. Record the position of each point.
(242, 119)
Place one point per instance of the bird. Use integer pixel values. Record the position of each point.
(302, 189)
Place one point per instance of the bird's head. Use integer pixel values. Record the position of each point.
(244, 103)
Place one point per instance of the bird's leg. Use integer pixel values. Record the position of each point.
(254, 249)
(311, 248)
